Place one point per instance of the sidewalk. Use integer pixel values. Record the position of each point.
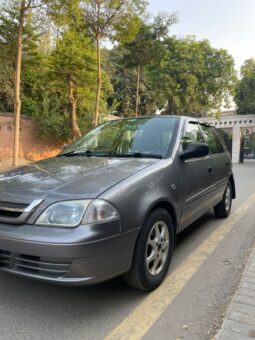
(240, 321)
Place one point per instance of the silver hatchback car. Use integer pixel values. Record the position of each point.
(113, 202)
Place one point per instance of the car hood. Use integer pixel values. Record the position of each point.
(67, 177)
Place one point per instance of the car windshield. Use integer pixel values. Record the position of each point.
(136, 137)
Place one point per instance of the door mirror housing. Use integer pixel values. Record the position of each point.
(194, 150)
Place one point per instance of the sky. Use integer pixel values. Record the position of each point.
(228, 24)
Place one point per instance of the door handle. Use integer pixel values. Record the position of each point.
(210, 170)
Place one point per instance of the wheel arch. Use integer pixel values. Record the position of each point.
(169, 208)
(232, 181)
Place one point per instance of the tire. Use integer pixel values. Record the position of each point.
(155, 243)
(223, 209)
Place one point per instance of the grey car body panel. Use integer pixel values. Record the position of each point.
(92, 262)
(150, 187)
(63, 178)
(134, 186)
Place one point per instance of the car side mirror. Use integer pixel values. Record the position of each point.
(194, 150)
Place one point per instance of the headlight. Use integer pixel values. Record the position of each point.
(64, 214)
(69, 214)
(99, 211)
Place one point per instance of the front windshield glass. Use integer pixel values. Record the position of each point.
(126, 137)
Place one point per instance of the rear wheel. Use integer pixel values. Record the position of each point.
(153, 252)
(223, 208)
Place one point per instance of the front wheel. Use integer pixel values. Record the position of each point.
(222, 209)
(153, 252)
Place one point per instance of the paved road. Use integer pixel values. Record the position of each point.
(207, 267)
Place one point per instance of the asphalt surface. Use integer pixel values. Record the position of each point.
(34, 310)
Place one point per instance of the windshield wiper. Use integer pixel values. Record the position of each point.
(98, 153)
(87, 153)
(138, 155)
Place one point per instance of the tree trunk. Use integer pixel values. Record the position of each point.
(99, 80)
(138, 75)
(17, 101)
(73, 109)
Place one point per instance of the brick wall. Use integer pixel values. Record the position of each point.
(32, 147)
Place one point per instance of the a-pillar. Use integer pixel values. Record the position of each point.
(236, 144)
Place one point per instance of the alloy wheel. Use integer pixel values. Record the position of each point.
(157, 248)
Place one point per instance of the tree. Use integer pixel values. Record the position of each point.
(245, 91)
(18, 11)
(8, 29)
(192, 77)
(74, 59)
(123, 99)
(17, 103)
(110, 19)
(145, 47)
(16, 37)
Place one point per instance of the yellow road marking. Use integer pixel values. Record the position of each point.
(140, 320)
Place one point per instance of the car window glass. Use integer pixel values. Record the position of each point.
(127, 136)
(192, 134)
(212, 140)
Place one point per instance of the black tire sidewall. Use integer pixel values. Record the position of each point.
(149, 281)
(220, 209)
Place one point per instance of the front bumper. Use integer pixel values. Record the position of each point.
(60, 256)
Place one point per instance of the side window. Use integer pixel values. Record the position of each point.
(192, 134)
(212, 140)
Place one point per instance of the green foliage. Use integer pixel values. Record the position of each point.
(245, 92)
(146, 46)
(191, 77)
(74, 55)
(181, 76)
(113, 19)
(9, 10)
(124, 83)
(67, 14)
(6, 87)
(47, 61)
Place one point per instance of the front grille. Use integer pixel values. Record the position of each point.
(35, 265)
(16, 213)
(5, 258)
(11, 210)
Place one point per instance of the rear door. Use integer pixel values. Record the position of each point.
(197, 177)
(221, 160)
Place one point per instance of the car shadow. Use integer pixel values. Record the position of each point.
(196, 227)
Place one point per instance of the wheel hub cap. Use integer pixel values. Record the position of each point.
(227, 198)
(157, 248)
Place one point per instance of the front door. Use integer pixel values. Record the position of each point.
(197, 177)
